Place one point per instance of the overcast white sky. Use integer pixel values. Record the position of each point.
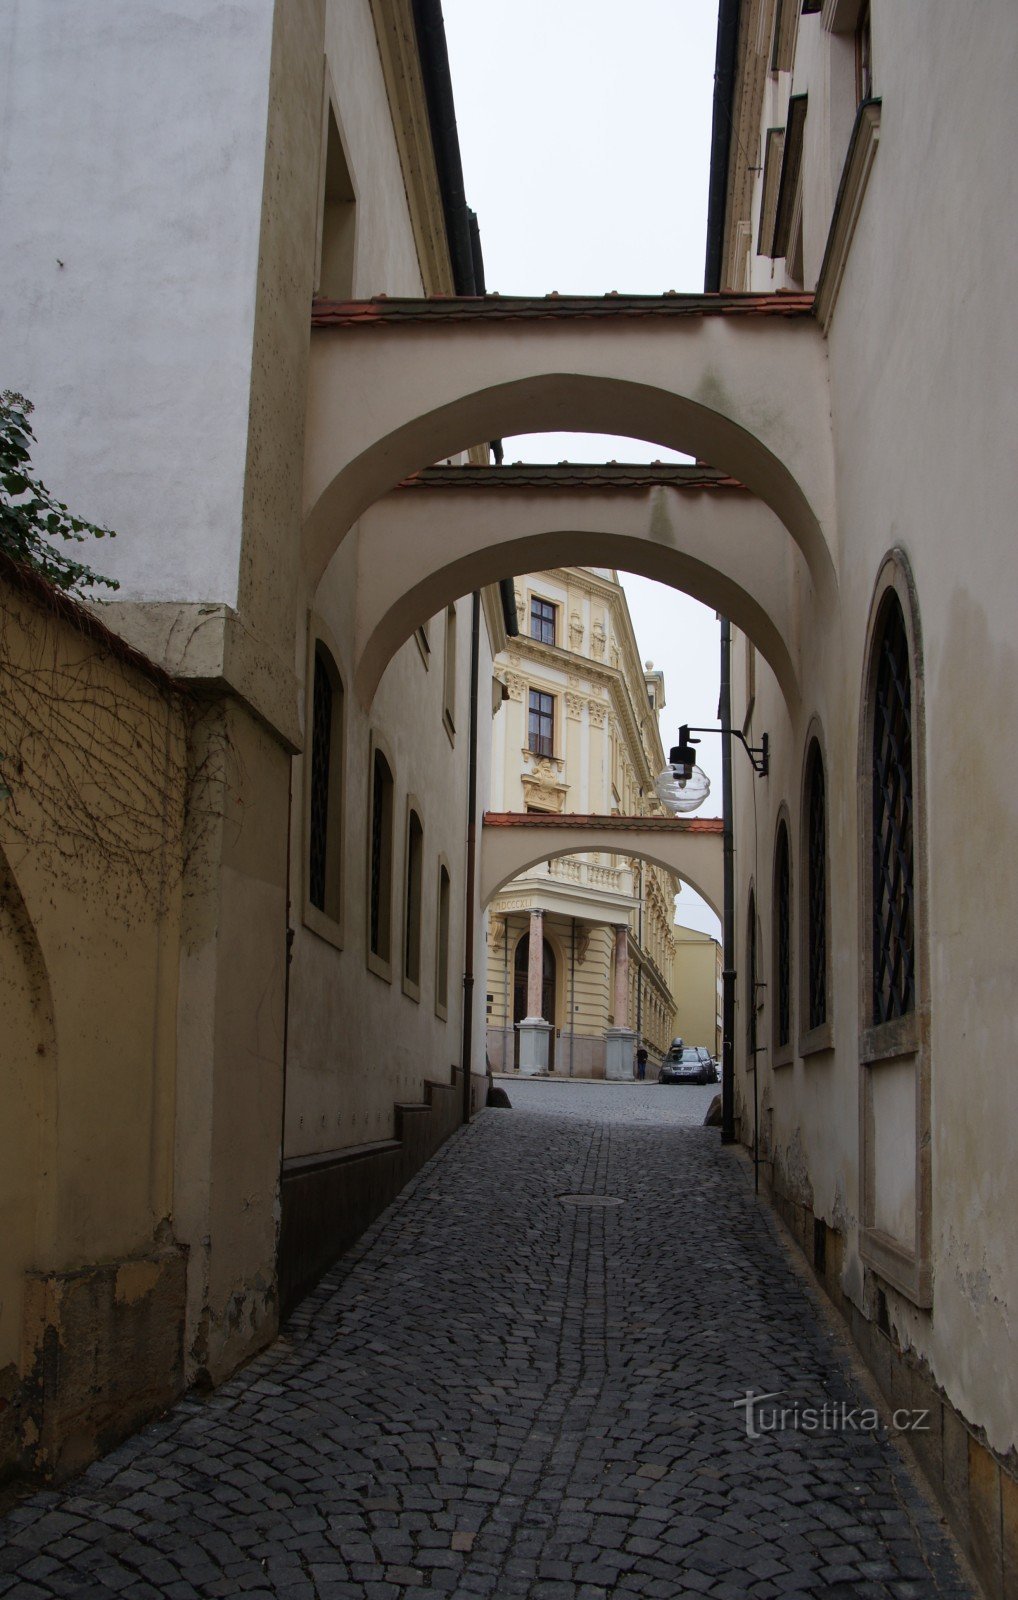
(584, 127)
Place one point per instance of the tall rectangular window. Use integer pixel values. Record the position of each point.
(816, 888)
(449, 680)
(783, 940)
(380, 888)
(325, 783)
(442, 942)
(412, 902)
(542, 723)
(542, 620)
(336, 265)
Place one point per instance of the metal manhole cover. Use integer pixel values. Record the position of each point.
(595, 1202)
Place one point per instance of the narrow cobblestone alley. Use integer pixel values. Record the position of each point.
(500, 1393)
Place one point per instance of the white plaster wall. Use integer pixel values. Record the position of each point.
(357, 1043)
(922, 354)
(132, 149)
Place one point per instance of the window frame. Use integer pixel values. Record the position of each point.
(817, 1037)
(378, 963)
(328, 922)
(905, 1267)
(752, 1031)
(449, 674)
(552, 621)
(413, 898)
(542, 694)
(782, 1050)
(443, 937)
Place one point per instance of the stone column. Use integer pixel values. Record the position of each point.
(620, 1041)
(534, 1030)
(622, 976)
(535, 970)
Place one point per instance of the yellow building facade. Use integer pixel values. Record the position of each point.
(580, 949)
(697, 987)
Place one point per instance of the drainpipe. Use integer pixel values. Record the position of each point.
(572, 999)
(728, 970)
(721, 139)
(467, 1045)
(639, 969)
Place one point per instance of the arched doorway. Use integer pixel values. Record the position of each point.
(521, 967)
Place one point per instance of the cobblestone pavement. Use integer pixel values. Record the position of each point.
(501, 1394)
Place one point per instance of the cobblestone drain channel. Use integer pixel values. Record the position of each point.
(500, 1394)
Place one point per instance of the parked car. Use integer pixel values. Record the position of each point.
(688, 1063)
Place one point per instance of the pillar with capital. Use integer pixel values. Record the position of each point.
(620, 1041)
(535, 1030)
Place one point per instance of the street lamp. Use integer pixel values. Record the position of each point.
(682, 786)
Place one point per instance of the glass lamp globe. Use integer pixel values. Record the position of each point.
(677, 792)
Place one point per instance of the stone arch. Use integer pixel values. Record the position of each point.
(699, 879)
(706, 387)
(420, 549)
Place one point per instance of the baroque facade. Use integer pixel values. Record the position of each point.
(580, 947)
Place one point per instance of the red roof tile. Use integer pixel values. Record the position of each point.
(560, 820)
(386, 311)
(613, 475)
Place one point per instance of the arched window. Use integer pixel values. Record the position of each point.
(325, 784)
(413, 887)
(893, 879)
(782, 945)
(894, 1034)
(380, 865)
(815, 848)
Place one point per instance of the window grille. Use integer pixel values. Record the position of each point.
(321, 751)
(893, 881)
(542, 621)
(542, 723)
(816, 844)
(783, 953)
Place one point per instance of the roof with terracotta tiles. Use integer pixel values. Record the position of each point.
(566, 821)
(564, 475)
(388, 311)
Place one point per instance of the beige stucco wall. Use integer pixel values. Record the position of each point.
(343, 1081)
(696, 985)
(91, 870)
(922, 392)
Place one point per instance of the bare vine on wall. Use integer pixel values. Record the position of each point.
(111, 772)
(108, 766)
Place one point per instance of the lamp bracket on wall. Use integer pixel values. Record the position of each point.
(684, 753)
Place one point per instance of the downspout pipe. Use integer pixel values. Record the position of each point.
(467, 1041)
(728, 849)
(721, 140)
(461, 227)
(725, 62)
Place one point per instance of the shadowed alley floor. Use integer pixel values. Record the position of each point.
(501, 1393)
